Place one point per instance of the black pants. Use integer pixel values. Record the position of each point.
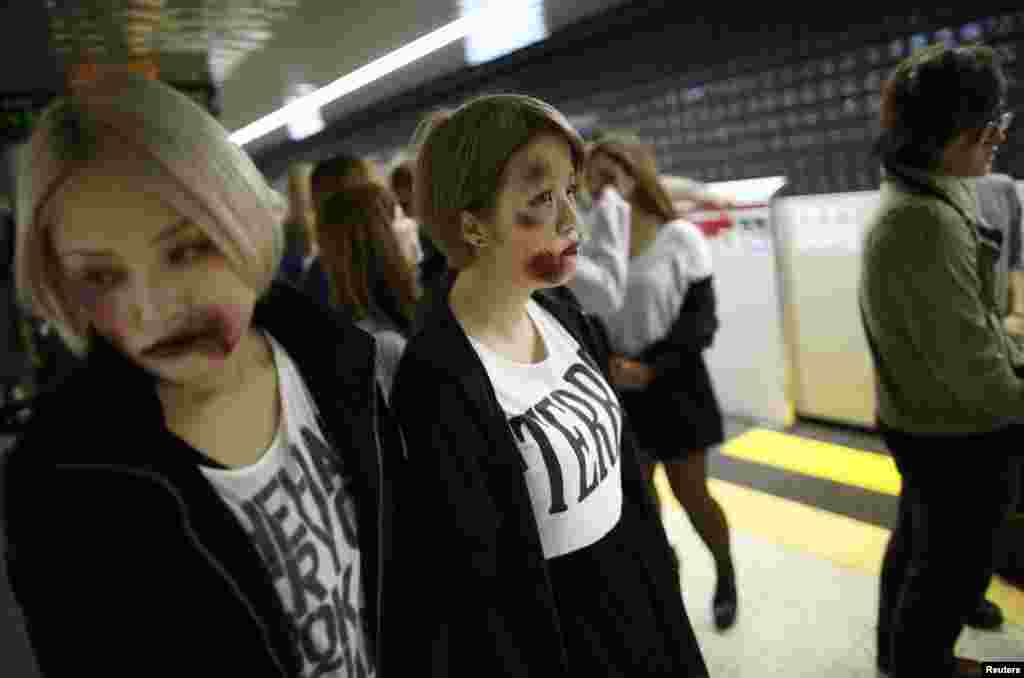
(957, 491)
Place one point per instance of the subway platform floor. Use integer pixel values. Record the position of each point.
(810, 510)
(810, 520)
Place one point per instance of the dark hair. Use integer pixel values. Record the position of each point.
(361, 254)
(348, 170)
(932, 97)
(401, 177)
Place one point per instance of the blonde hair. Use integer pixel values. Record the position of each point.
(180, 152)
(461, 163)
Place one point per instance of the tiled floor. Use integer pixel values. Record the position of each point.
(800, 615)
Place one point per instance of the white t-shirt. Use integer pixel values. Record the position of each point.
(295, 507)
(567, 422)
(656, 286)
(638, 298)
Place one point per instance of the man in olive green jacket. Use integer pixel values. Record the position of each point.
(946, 368)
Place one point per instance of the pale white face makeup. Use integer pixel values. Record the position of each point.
(148, 280)
(534, 234)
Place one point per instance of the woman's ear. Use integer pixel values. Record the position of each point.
(473, 232)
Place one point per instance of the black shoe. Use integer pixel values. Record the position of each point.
(986, 616)
(724, 605)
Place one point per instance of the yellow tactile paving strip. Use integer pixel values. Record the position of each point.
(808, 457)
(847, 542)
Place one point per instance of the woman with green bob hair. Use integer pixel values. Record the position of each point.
(546, 553)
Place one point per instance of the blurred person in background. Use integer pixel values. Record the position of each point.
(336, 173)
(648, 275)
(999, 206)
(364, 250)
(340, 171)
(685, 194)
(299, 226)
(401, 182)
(947, 373)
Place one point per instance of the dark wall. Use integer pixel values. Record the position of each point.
(757, 92)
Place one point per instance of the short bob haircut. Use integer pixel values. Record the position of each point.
(460, 166)
(178, 151)
(638, 160)
(932, 97)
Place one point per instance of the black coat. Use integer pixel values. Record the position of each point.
(479, 600)
(123, 557)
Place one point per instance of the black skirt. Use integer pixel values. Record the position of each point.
(678, 414)
(612, 606)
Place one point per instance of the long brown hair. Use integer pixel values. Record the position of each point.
(638, 160)
(357, 238)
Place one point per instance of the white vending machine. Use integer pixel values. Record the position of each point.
(749, 362)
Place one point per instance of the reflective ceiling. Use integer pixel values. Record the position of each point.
(256, 51)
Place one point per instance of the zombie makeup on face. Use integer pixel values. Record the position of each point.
(95, 290)
(528, 219)
(552, 267)
(214, 331)
(542, 208)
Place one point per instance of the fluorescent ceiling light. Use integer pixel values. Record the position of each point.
(520, 23)
(364, 75)
(309, 123)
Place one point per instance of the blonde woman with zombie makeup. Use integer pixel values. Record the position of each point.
(206, 495)
(534, 547)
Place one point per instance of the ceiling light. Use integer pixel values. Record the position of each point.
(365, 75)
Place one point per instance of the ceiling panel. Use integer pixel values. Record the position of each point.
(324, 39)
(257, 51)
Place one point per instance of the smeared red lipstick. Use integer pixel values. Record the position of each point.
(212, 331)
(550, 267)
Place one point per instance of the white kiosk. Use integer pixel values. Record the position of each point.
(749, 362)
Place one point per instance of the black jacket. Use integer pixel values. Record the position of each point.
(692, 332)
(123, 557)
(482, 602)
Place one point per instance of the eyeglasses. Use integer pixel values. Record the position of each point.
(1002, 122)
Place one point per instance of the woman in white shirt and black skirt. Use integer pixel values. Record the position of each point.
(648, 275)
